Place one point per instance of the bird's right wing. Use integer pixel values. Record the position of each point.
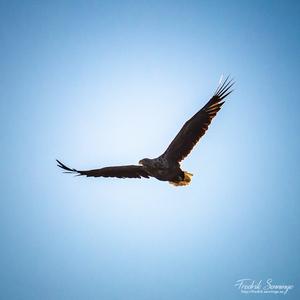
(130, 171)
(196, 127)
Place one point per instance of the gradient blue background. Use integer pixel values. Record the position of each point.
(98, 83)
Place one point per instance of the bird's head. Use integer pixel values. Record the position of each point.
(144, 161)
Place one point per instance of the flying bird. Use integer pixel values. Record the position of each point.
(166, 167)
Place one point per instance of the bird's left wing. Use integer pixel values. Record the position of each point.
(196, 127)
(130, 171)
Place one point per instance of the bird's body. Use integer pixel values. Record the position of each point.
(167, 166)
(163, 170)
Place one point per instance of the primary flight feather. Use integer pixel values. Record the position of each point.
(166, 167)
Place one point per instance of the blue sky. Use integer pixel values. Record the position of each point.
(97, 83)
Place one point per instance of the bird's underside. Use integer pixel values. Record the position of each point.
(167, 166)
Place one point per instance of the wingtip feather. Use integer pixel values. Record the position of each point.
(224, 87)
(64, 167)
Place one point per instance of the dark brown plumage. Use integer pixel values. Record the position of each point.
(130, 171)
(167, 166)
(196, 127)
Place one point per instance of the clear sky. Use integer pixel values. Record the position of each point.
(97, 83)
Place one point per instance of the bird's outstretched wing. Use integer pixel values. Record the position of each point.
(196, 127)
(130, 171)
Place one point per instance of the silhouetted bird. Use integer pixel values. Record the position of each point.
(167, 166)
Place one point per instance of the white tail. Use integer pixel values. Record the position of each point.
(186, 180)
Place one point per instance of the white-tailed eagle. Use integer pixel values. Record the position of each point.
(166, 167)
